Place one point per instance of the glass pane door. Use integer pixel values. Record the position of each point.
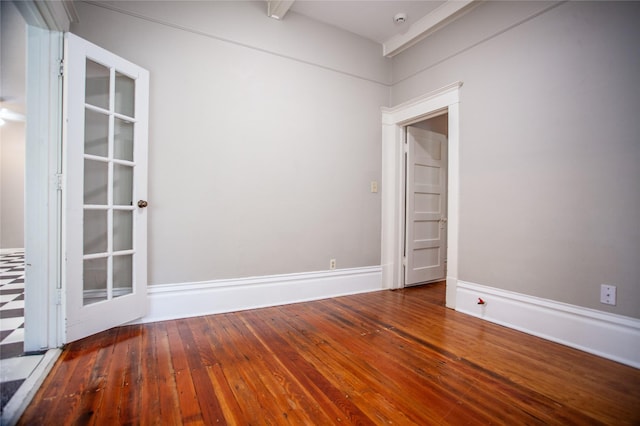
(106, 159)
(109, 168)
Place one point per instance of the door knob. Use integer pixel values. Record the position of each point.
(142, 204)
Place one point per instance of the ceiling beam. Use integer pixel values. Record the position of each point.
(276, 9)
(427, 25)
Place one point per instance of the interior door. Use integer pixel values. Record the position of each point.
(105, 169)
(426, 206)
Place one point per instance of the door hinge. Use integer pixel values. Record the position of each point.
(61, 68)
(58, 181)
(404, 261)
(58, 296)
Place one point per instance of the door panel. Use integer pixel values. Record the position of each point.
(426, 206)
(106, 120)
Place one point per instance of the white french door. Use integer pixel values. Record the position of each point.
(426, 206)
(105, 169)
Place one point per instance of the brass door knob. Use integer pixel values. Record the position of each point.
(142, 204)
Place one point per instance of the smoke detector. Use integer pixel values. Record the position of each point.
(400, 18)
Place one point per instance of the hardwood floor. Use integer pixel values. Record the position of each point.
(390, 357)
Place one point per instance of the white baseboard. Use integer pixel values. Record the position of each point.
(172, 301)
(607, 335)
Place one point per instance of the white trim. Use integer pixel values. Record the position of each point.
(443, 100)
(42, 195)
(607, 335)
(427, 25)
(47, 14)
(183, 300)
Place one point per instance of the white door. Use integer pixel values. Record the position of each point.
(426, 206)
(105, 169)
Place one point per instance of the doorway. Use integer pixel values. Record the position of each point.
(17, 359)
(394, 120)
(426, 201)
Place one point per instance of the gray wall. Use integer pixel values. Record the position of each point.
(12, 134)
(549, 145)
(264, 137)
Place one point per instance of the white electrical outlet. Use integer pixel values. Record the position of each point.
(608, 294)
(332, 264)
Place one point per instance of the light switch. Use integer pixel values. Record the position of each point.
(374, 186)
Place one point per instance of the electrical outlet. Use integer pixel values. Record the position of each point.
(332, 264)
(608, 294)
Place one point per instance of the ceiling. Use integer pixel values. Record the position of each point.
(375, 19)
(367, 18)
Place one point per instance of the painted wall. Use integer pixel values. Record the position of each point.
(264, 137)
(549, 146)
(12, 134)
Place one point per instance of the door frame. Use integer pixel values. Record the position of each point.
(394, 120)
(46, 22)
(43, 167)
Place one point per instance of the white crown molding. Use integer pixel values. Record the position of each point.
(55, 15)
(183, 300)
(610, 336)
(427, 25)
(433, 100)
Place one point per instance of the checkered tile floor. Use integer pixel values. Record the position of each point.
(14, 366)
(11, 304)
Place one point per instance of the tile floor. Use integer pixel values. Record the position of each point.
(15, 366)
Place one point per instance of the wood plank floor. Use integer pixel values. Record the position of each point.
(390, 357)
